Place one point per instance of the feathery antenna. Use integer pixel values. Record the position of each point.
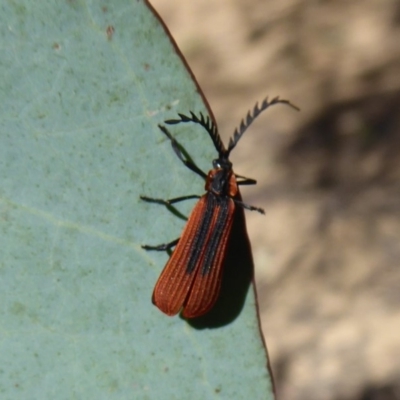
(251, 116)
(206, 123)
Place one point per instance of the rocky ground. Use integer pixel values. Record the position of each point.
(328, 251)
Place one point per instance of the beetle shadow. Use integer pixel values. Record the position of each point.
(236, 279)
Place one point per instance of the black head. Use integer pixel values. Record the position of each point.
(222, 163)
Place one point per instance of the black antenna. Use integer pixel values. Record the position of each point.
(251, 116)
(207, 124)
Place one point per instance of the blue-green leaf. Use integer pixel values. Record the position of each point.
(83, 86)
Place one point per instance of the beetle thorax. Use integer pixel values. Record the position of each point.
(220, 180)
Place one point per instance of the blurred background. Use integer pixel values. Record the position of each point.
(327, 253)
